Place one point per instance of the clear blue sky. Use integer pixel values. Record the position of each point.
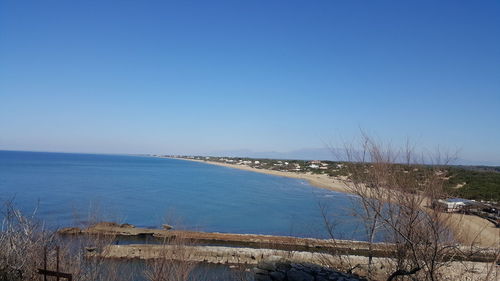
(198, 77)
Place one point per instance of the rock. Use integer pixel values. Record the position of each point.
(267, 265)
(105, 224)
(260, 271)
(274, 270)
(283, 267)
(270, 263)
(262, 277)
(69, 230)
(334, 276)
(127, 225)
(274, 258)
(296, 275)
(277, 276)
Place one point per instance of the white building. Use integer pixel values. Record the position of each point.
(453, 204)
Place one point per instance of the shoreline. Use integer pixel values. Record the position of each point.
(317, 180)
(468, 229)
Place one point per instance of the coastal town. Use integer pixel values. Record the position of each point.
(298, 166)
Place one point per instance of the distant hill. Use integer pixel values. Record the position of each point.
(300, 154)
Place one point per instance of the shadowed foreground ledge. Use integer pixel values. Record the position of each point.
(246, 246)
(259, 259)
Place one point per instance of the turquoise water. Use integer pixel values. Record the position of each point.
(147, 192)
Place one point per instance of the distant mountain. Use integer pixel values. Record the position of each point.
(477, 164)
(301, 154)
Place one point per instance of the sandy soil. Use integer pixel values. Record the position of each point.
(473, 230)
(469, 230)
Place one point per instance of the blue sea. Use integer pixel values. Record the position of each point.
(68, 189)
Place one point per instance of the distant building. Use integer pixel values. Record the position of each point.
(454, 204)
(313, 166)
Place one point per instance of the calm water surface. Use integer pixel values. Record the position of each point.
(146, 191)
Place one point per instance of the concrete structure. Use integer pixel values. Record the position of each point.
(453, 204)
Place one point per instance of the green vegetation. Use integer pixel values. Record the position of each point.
(470, 182)
(479, 183)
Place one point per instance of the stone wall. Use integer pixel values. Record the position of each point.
(296, 260)
(208, 254)
(285, 243)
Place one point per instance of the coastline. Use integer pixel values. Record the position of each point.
(317, 180)
(469, 230)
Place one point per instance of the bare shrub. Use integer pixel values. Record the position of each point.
(26, 246)
(22, 240)
(173, 263)
(85, 260)
(394, 191)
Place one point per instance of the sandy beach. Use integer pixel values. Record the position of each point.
(318, 180)
(469, 230)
